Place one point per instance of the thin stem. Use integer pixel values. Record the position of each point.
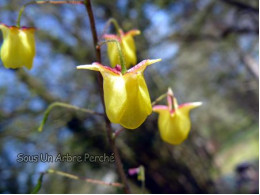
(18, 22)
(100, 79)
(88, 180)
(159, 98)
(64, 105)
(116, 25)
(93, 29)
(121, 57)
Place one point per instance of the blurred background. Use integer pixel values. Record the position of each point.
(210, 54)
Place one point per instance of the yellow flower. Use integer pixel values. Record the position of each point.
(174, 121)
(18, 48)
(126, 96)
(127, 44)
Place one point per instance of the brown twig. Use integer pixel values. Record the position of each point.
(100, 81)
(61, 2)
(88, 180)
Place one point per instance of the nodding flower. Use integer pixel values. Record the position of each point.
(127, 100)
(127, 44)
(174, 121)
(18, 48)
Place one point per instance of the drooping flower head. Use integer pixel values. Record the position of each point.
(127, 44)
(18, 48)
(126, 96)
(174, 121)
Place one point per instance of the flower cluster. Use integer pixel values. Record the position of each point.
(126, 96)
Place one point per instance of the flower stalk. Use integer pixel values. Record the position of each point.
(100, 79)
(159, 98)
(115, 23)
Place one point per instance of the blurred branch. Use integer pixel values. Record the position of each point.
(241, 5)
(192, 37)
(234, 30)
(18, 22)
(19, 136)
(251, 65)
(36, 86)
(17, 112)
(88, 180)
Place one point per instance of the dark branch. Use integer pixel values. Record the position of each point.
(241, 5)
(211, 37)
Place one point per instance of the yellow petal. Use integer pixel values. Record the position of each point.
(175, 127)
(114, 90)
(185, 108)
(129, 51)
(18, 47)
(160, 108)
(113, 55)
(115, 96)
(138, 103)
(141, 66)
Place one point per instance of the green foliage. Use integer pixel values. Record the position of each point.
(38, 185)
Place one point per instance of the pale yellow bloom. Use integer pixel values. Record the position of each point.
(174, 121)
(126, 96)
(18, 48)
(127, 44)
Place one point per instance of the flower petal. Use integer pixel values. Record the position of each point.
(140, 67)
(133, 32)
(186, 107)
(99, 67)
(111, 36)
(115, 96)
(159, 108)
(174, 129)
(129, 50)
(138, 105)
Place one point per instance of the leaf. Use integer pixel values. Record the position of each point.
(38, 185)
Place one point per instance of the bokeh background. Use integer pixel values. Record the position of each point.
(210, 54)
